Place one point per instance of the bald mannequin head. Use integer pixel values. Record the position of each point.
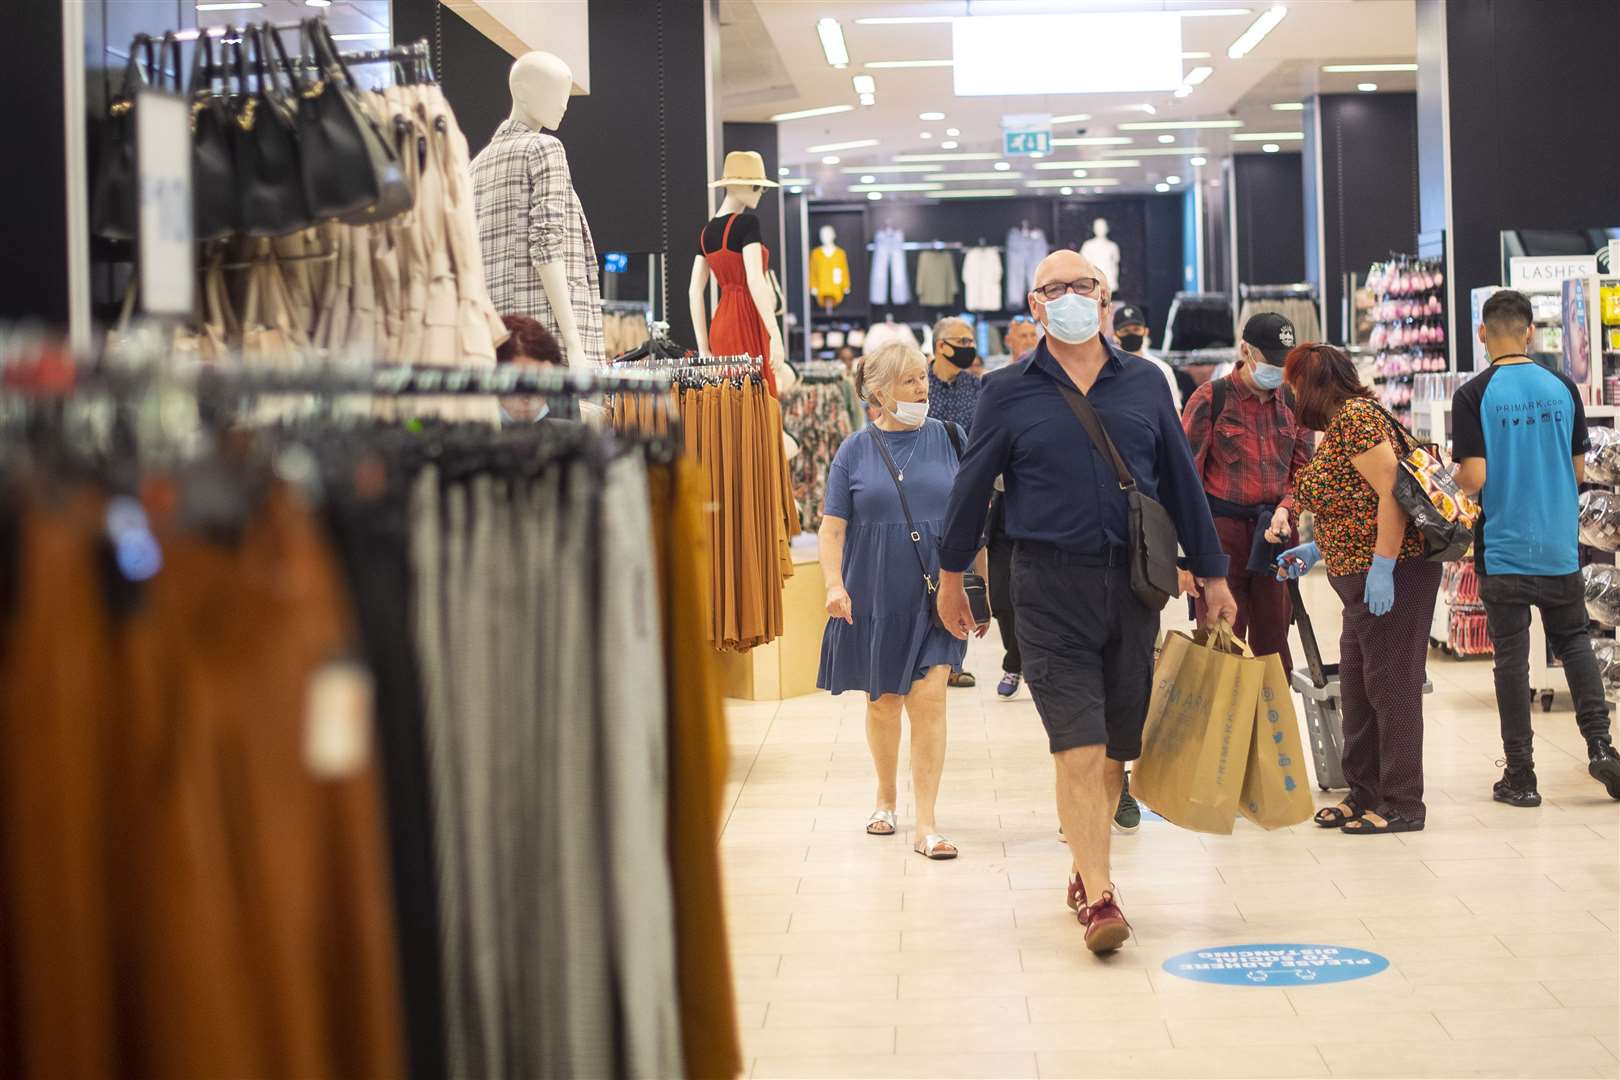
(540, 83)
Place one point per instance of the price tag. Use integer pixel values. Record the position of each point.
(166, 255)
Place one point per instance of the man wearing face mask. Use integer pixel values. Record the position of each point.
(1249, 448)
(1130, 330)
(1086, 640)
(953, 395)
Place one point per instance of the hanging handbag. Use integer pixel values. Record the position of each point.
(112, 195)
(1442, 513)
(265, 142)
(973, 584)
(350, 168)
(213, 163)
(1151, 539)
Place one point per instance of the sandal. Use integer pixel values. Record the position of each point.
(881, 823)
(1331, 817)
(962, 679)
(1392, 823)
(936, 847)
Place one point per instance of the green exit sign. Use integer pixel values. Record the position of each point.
(1026, 142)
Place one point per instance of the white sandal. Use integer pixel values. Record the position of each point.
(882, 817)
(929, 848)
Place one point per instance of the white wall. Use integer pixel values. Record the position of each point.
(519, 26)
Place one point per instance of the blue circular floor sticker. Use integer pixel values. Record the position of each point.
(1275, 965)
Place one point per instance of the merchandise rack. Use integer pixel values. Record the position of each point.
(1408, 335)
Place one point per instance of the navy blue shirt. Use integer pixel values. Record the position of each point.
(1060, 489)
(956, 400)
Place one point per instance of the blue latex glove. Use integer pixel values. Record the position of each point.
(1380, 591)
(1297, 561)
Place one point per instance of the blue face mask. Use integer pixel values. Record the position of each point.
(1073, 318)
(1266, 376)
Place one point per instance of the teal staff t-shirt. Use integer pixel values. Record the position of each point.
(1528, 424)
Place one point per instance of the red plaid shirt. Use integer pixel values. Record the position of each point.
(1251, 453)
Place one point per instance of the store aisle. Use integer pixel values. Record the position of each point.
(857, 958)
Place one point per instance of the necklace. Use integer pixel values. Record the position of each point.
(900, 469)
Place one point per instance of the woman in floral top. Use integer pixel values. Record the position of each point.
(1375, 563)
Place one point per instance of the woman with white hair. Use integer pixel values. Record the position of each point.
(886, 494)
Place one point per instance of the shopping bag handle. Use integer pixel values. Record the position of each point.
(1222, 638)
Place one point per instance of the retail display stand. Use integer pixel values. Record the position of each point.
(786, 667)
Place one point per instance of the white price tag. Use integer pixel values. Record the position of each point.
(166, 255)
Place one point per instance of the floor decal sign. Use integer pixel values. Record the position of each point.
(1275, 965)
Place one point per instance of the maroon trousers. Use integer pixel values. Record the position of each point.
(1382, 662)
(1264, 612)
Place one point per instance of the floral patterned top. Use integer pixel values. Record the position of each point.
(1345, 505)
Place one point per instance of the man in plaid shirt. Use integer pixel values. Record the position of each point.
(1249, 455)
(529, 216)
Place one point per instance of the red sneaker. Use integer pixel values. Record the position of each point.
(1077, 893)
(1106, 928)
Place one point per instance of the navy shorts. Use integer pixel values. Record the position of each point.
(1087, 645)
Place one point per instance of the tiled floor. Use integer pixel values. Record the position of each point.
(856, 958)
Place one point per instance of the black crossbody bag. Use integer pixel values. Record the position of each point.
(977, 593)
(1152, 539)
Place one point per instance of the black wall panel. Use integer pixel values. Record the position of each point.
(1270, 226)
(472, 69)
(761, 138)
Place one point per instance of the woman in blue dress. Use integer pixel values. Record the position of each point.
(881, 637)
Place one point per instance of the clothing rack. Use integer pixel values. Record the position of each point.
(820, 371)
(939, 245)
(1300, 291)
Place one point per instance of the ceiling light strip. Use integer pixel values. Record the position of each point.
(1112, 163)
(1101, 181)
(893, 64)
(949, 177)
(896, 187)
(1266, 136)
(828, 148)
(1257, 31)
(1340, 69)
(976, 193)
(832, 42)
(1095, 140)
(805, 114)
(856, 170)
(1178, 125)
(962, 156)
(1161, 151)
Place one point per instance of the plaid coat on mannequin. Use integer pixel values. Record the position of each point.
(529, 215)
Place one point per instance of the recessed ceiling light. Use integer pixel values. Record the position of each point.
(905, 20)
(1080, 173)
(318, 3)
(1095, 140)
(832, 42)
(1266, 136)
(874, 195)
(1178, 125)
(827, 148)
(1271, 148)
(1198, 74)
(1001, 166)
(883, 64)
(1117, 163)
(795, 191)
(868, 179)
(1172, 179)
(1366, 87)
(783, 171)
(925, 134)
(864, 84)
(953, 132)
(1072, 118)
(949, 144)
(896, 187)
(1000, 177)
(1256, 32)
(237, 5)
(1065, 191)
(963, 156)
(1037, 154)
(930, 116)
(1199, 161)
(830, 159)
(1167, 138)
(1161, 188)
(1144, 108)
(976, 193)
(1288, 106)
(804, 114)
(1343, 68)
(868, 99)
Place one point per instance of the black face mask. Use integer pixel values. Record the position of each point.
(1132, 342)
(964, 355)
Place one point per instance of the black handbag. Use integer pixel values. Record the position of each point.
(213, 162)
(973, 584)
(351, 170)
(1152, 540)
(112, 194)
(265, 141)
(1445, 537)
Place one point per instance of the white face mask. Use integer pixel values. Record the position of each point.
(910, 413)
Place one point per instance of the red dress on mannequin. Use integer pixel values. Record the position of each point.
(737, 328)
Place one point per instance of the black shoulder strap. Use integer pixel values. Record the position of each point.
(954, 431)
(1083, 411)
(905, 507)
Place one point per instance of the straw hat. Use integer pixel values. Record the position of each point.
(744, 168)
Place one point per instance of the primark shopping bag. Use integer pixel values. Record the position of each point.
(1195, 744)
(1276, 791)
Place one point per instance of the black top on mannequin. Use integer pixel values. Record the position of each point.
(744, 231)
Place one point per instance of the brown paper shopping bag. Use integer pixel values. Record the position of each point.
(1195, 745)
(1276, 791)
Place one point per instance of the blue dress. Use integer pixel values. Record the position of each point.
(894, 640)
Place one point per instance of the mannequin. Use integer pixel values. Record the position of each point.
(538, 252)
(829, 270)
(1103, 253)
(744, 321)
